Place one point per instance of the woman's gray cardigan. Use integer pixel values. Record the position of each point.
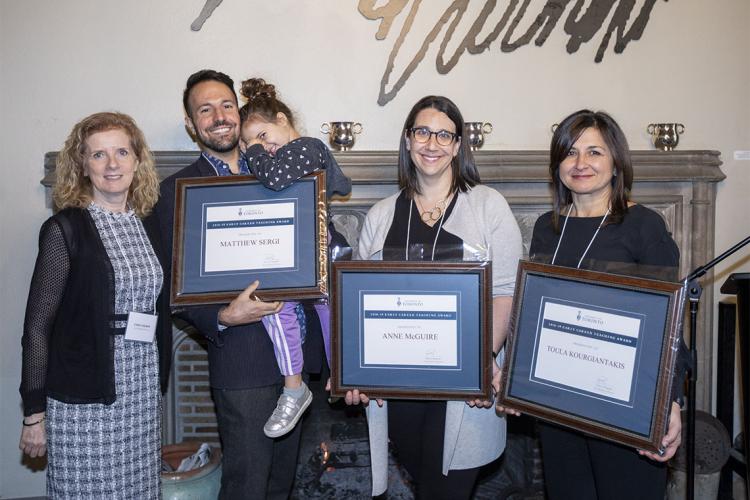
(483, 220)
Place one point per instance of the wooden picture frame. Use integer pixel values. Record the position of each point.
(230, 231)
(594, 352)
(412, 330)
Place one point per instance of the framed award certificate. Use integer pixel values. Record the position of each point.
(594, 352)
(230, 231)
(416, 330)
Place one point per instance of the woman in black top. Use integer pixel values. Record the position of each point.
(97, 336)
(442, 212)
(595, 226)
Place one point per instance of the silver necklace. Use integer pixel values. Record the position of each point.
(567, 216)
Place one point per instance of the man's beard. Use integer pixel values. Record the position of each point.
(219, 145)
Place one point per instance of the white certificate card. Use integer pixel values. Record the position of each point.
(410, 330)
(587, 350)
(246, 237)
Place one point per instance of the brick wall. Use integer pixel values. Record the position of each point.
(190, 413)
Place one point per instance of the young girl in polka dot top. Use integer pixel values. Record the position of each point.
(277, 155)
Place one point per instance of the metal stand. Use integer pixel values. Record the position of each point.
(694, 291)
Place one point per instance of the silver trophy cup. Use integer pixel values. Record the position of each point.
(666, 136)
(341, 134)
(475, 132)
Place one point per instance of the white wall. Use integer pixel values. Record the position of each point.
(60, 61)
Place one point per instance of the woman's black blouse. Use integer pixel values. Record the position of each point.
(68, 346)
(640, 245)
(421, 236)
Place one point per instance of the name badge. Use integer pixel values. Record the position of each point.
(141, 327)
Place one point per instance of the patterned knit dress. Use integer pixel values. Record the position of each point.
(113, 451)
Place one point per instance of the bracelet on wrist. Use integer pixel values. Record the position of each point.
(32, 423)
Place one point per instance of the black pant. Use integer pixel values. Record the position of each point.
(417, 429)
(253, 465)
(585, 468)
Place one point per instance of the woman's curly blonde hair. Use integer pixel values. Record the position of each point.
(73, 188)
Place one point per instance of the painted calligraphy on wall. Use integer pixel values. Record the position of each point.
(581, 25)
(208, 8)
(583, 21)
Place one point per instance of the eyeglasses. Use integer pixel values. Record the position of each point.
(423, 134)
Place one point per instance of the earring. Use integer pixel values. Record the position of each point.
(614, 173)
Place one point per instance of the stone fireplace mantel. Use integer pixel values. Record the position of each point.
(680, 185)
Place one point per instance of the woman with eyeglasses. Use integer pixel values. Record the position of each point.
(442, 212)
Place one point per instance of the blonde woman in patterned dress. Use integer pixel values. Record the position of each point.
(97, 337)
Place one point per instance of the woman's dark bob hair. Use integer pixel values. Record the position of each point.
(566, 134)
(465, 173)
